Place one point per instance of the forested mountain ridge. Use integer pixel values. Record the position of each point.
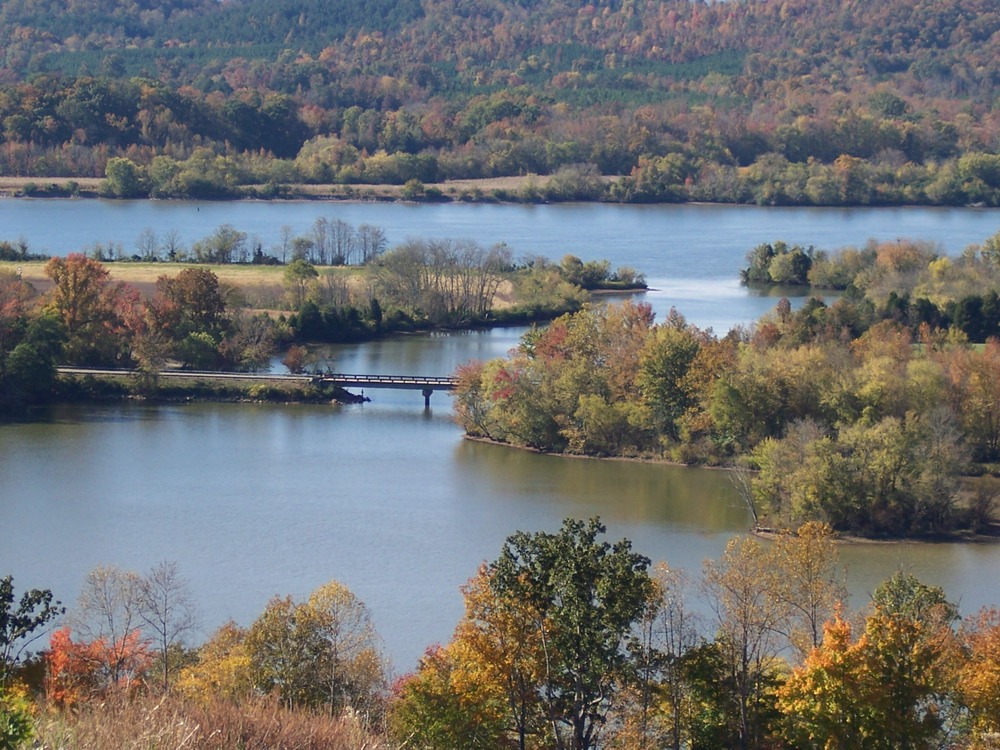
(739, 101)
(934, 48)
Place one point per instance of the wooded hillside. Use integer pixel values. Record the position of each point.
(771, 102)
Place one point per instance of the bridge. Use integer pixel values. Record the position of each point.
(425, 384)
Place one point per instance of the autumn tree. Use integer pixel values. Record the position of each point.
(658, 712)
(321, 652)
(585, 597)
(498, 647)
(282, 646)
(749, 619)
(192, 300)
(15, 296)
(977, 678)
(111, 651)
(222, 668)
(16, 718)
(883, 690)
(80, 670)
(808, 582)
(436, 709)
(349, 670)
(91, 307)
(189, 310)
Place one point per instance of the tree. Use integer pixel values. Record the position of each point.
(978, 674)
(225, 245)
(91, 308)
(749, 617)
(905, 595)
(498, 647)
(16, 726)
(432, 712)
(22, 625)
(222, 669)
(167, 609)
(882, 691)
(349, 670)
(15, 295)
(108, 618)
(28, 371)
(585, 596)
(661, 714)
(322, 652)
(820, 700)
(663, 368)
(283, 647)
(809, 583)
(297, 277)
(191, 301)
(125, 179)
(78, 670)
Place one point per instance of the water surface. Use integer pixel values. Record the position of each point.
(254, 501)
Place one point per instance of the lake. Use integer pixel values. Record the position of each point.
(255, 501)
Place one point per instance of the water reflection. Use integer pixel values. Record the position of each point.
(627, 492)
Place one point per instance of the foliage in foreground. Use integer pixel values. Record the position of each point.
(568, 641)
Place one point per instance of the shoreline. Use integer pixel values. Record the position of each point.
(514, 190)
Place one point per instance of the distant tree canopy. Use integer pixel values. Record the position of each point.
(674, 98)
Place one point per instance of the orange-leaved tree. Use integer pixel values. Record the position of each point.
(79, 670)
(978, 674)
(885, 690)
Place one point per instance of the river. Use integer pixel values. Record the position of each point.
(256, 501)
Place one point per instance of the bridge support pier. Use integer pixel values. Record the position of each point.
(427, 397)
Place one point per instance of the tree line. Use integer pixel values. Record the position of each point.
(567, 641)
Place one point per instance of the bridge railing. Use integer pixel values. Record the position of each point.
(389, 381)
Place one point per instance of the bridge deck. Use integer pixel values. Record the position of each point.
(408, 382)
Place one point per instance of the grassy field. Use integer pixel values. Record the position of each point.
(261, 286)
(253, 281)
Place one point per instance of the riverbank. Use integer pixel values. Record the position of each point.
(196, 387)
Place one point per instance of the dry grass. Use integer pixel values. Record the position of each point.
(172, 724)
(261, 286)
(255, 282)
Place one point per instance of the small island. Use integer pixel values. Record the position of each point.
(875, 414)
